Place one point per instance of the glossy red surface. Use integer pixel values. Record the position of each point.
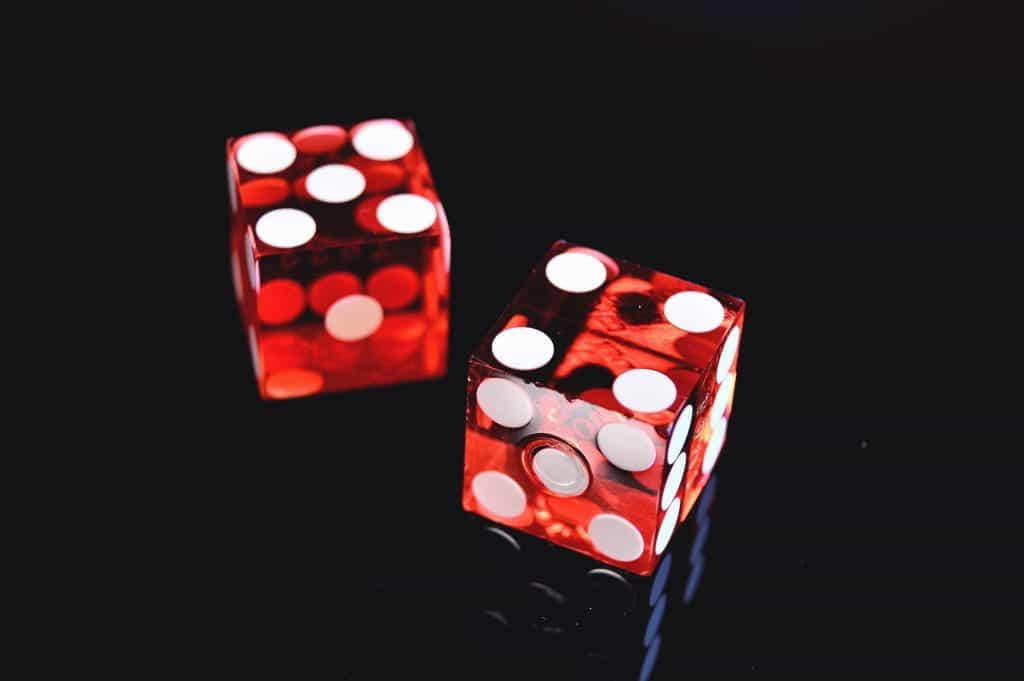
(287, 281)
(601, 323)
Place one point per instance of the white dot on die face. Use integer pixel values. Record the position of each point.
(353, 317)
(679, 433)
(523, 348)
(285, 228)
(499, 494)
(729, 349)
(505, 402)
(667, 527)
(335, 183)
(644, 390)
(560, 472)
(722, 398)
(406, 213)
(673, 482)
(383, 139)
(265, 152)
(615, 537)
(654, 621)
(694, 311)
(626, 446)
(575, 272)
(714, 446)
(660, 579)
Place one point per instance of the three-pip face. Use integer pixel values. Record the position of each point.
(340, 256)
(598, 405)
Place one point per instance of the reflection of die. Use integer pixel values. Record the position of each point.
(340, 253)
(564, 615)
(598, 405)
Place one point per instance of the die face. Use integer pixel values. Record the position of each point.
(683, 321)
(586, 354)
(569, 469)
(713, 409)
(349, 196)
(340, 257)
(533, 462)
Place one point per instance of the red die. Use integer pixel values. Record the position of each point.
(339, 253)
(598, 405)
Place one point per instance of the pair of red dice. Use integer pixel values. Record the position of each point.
(597, 404)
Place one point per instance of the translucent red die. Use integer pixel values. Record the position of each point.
(598, 405)
(340, 255)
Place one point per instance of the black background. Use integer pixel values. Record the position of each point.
(852, 172)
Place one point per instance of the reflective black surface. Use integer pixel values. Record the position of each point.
(536, 610)
(855, 179)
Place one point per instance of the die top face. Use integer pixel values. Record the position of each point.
(583, 319)
(326, 186)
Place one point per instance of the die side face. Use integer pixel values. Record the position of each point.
(716, 396)
(552, 478)
(340, 257)
(594, 360)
